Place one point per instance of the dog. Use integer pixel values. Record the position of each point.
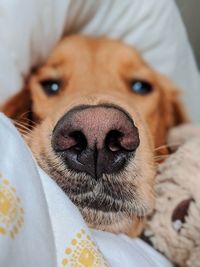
(98, 113)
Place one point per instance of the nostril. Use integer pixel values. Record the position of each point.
(80, 141)
(112, 141)
(117, 141)
(74, 140)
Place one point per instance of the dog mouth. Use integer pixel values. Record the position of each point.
(93, 158)
(110, 194)
(106, 195)
(112, 202)
(96, 144)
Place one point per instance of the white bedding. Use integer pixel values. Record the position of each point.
(29, 29)
(40, 227)
(47, 231)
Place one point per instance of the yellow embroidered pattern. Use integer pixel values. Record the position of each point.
(11, 212)
(83, 253)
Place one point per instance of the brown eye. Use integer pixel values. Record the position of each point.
(141, 87)
(51, 87)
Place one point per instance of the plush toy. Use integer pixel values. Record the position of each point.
(174, 226)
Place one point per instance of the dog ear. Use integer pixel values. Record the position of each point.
(18, 107)
(178, 110)
(174, 111)
(171, 111)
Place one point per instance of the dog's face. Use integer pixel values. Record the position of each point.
(100, 111)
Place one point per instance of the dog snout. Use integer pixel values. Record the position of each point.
(95, 139)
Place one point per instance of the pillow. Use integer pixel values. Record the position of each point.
(39, 225)
(29, 30)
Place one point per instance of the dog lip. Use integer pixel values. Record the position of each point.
(97, 175)
(109, 205)
(96, 204)
(96, 198)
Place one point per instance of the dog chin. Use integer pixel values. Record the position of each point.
(118, 217)
(118, 210)
(113, 222)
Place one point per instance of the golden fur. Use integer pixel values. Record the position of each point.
(96, 71)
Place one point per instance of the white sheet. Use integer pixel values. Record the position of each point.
(29, 29)
(40, 227)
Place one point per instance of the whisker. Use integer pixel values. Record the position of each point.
(171, 145)
(24, 133)
(160, 158)
(25, 114)
(29, 123)
(22, 125)
(23, 129)
(27, 119)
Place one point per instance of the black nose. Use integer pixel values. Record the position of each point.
(95, 139)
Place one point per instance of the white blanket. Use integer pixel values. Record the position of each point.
(29, 29)
(39, 225)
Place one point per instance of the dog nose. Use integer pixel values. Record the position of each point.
(95, 139)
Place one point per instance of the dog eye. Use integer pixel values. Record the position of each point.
(141, 87)
(51, 87)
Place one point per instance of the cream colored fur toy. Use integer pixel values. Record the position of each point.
(174, 227)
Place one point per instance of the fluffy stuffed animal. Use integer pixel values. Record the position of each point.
(174, 226)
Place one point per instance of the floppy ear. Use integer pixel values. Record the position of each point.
(171, 112)
(18, 107)
(174, 111)
(178, 110)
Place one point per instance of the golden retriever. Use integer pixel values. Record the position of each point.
(99, 111)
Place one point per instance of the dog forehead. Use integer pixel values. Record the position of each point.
(85, 48)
